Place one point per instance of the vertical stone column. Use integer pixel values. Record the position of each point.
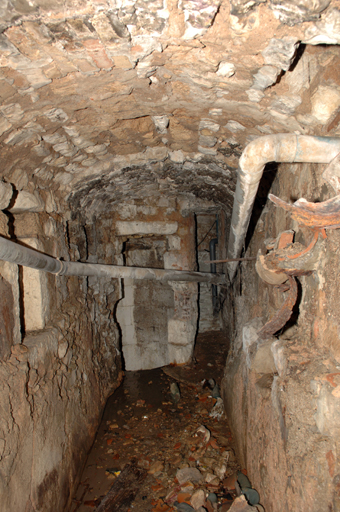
(182, 327)
(36, 296)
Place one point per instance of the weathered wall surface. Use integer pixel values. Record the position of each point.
(207, 230)
(282, 396)
(59, 362)
(157, 320)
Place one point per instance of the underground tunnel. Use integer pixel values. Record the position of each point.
(169, 217)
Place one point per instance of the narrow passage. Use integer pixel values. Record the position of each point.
(148, 425)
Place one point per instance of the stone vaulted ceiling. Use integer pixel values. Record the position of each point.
(109, 100)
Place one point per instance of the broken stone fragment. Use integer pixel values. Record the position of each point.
(265, 77)
(198, 499)
(27, 202)
(291, 12)
(226, 69)
(252, 496)
(161, 123)
(6, 193)
(220, 471)
(203, 433)
(325, 101)
(240, 7)
(156, 468)
(189, 475)
(280, 52)
(209, 125)
(229, 482)
(218, 409)
(254, 95)
(286, 104)
(326, 30)
(62, 348)
(240, 505)
(183, 507)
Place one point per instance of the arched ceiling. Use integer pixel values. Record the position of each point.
(107, 100)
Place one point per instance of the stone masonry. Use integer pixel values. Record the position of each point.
(121, 122)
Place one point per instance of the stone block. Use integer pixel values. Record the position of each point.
(208, 124)
(280, 52)
(145, 358)
(296, 12)
(325, 102)
(174, 243)
(234, 126)
(7, 319)
(97, 52)
(145, 228)
(42, 347)
(325, 30)
(27, 202)
(12, 112)
(207, 141)
(265, 77)
(327, 416)
(180, 354)
(28, 226)
(176, 156)
(10, 273)
(181, 332)
(280, 359)
(36, 295)
(5, 125)
(207, 151)
(36, 77)
(103, 28)
(6, 192)
(286, 104)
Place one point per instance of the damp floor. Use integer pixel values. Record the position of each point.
(143, 423)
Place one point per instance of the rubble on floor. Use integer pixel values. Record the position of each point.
(169, 430)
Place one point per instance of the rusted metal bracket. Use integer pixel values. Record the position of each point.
(325, 215)
(282, 316)
(287, 259)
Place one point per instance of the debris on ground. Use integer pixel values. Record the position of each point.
(175, 392)
(183, 448)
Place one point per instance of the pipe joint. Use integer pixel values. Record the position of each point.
(281, 147)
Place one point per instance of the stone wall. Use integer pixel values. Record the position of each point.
(157, 320)
(282, 395)
(59, 362)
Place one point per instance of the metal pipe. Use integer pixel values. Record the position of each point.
(212, 250)
(281, 147)
(15, 253)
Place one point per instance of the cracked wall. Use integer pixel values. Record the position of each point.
(282, 393)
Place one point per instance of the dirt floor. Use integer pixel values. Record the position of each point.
(147, 425)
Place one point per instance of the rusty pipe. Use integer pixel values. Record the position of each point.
(281, 147)
(21, 255)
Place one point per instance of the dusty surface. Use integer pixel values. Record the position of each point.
(141, 420)
(285, 421)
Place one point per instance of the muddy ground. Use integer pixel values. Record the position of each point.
(144, 423)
